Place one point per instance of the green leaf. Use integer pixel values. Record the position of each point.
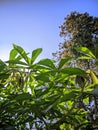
(21, 97)
(16, 62)
(50, 106)
(43, 77)
(35, 54)
(4, 76)
(96, 51)
(47, 63)
(13, 54)
(73, 71)
(21, 51)
(84, 58)
(63, 62)
(10, 128)
(2, 65)
(96, 62)
(70, 96)
(85, 51)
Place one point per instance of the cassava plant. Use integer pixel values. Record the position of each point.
(41, 95)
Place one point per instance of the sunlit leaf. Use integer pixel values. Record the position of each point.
(13, 54)
(35, 54)
(21, 51)
(84, 58)
(85, 51)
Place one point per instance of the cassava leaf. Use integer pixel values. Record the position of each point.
(63, 62)
(84, 58)
(2, 65)
(13, 54)
(85, 51)
(47, 63)
(35, 54)
(16, 62)
(73, 71)
(21, 51)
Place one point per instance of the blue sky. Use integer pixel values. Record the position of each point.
(35, 23)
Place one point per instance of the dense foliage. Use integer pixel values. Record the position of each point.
(43, 96)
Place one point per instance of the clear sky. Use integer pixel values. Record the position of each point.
(35, 23)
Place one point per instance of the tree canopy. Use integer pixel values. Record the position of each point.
(78, 29)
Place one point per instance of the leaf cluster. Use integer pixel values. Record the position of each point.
(42, 95)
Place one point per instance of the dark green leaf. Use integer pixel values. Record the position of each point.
(96, 51)
(63, 62)
(4, 76)
(43, 77)
(71, 95)
(16, 62)
(2, 65)
(73, 71)
(47, 63)
(21, 97)
(10, 128)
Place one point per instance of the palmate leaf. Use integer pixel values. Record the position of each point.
(35, 54)
(86, 51)
(21, 51)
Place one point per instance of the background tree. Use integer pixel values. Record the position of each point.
(78, 29)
